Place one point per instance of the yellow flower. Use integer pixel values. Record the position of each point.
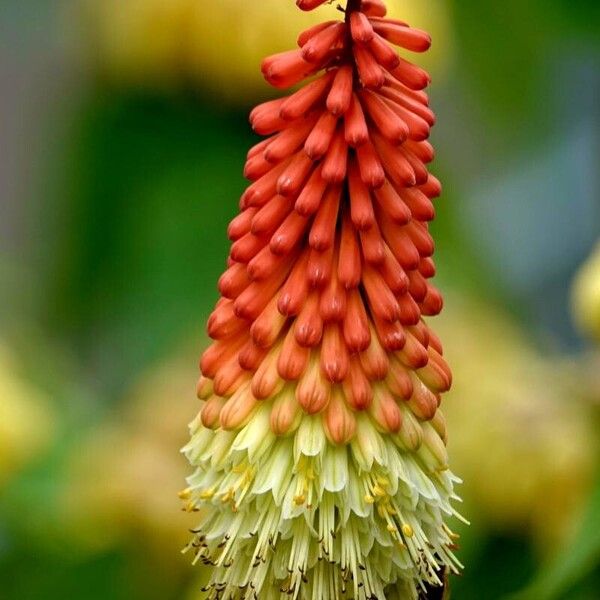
(586, 295)
(132, 451)
(27, 421)
(522, 434)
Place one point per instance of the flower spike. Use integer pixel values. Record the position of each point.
(320, 448)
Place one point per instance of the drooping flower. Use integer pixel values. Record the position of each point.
(321, 466)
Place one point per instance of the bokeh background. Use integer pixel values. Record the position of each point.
(123, 130)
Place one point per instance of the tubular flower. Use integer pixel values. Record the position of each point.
(321, 465)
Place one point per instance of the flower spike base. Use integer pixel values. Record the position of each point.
(321, 465)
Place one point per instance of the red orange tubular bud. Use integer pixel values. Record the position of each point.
(340, 95)
(339, 420)
(360, 27)
(321, 388)
(286, 413)
(356, 131)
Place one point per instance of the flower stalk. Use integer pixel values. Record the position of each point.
(320, 449)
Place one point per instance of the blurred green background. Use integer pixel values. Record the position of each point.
(124, 130)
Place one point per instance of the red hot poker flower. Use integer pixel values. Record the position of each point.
(320, 447)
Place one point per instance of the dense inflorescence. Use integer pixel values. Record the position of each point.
(321, 465)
